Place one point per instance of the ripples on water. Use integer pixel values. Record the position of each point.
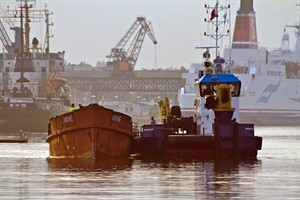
(26, 174)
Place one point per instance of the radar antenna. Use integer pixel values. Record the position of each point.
(216, 22)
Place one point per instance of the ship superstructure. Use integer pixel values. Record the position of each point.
(270, 93)
(30, 83)
(244, 49)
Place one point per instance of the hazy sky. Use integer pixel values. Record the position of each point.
(88, 29)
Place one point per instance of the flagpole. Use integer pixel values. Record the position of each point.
(229, 33)
(217, 29)
(215, 14)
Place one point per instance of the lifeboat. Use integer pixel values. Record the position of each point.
(58, 82)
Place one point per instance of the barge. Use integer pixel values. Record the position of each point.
(92, 132)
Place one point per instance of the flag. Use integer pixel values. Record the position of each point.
(214, 12)
(225, 16)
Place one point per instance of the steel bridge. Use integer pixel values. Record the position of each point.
(125, 85)
(146, 82)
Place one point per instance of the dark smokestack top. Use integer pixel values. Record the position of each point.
(246, 7)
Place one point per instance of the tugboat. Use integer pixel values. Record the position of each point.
(31, 90)
(181, 137)
(213, 131)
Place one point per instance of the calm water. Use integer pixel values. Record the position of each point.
(26, 174)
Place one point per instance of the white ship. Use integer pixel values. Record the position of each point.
(270, 91)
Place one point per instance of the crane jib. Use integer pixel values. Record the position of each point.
(125, 60)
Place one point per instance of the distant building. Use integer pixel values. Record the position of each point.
(82, 67)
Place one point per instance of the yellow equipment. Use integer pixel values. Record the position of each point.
(223, 98)
(54, 83)
(165, 110)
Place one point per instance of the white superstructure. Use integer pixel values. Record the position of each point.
(270, 80)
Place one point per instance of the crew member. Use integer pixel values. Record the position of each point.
(72, 108)
(152, 120)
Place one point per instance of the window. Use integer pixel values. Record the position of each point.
(274, 73)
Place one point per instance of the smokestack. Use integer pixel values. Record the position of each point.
(245, 36)
(246, 6)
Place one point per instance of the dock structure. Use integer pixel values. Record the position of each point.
(13, 140)
(22, 137)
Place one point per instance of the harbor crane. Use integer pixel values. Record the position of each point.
(121, 60)
(297, 35)
(10, 46)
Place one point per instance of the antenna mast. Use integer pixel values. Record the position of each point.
(48, 23)
(216, 22)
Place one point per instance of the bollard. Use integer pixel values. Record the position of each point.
(21, 135)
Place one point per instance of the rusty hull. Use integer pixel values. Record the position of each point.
(90, 132)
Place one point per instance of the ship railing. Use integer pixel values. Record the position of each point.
(20, 100)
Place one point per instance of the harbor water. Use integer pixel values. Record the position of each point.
(25, 173)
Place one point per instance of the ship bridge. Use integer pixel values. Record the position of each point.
(209, 82)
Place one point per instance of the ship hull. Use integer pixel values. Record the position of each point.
(271, 119)
(92, 132)
(28, 115)
(193, 147)
(27, 119)
(157, 141)
(260, 117)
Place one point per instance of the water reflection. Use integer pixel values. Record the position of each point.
(217, 165)
(232, 165)
(202, 179)
(134, 179)
(25, 174)
(71, 164)
(231, 176)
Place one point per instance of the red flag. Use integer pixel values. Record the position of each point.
(214, 12)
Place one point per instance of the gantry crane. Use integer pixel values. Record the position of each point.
(10, 46)
(121, 60)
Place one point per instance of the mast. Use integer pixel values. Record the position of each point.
(216, 23)
(27, 25)
(48, 24)
(24, 34)
(22, 49)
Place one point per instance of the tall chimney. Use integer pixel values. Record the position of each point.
(244, 36)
